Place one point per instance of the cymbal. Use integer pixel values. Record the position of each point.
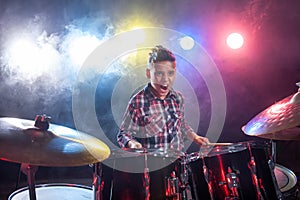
(279, 121)
(22, 142)
(287, 134)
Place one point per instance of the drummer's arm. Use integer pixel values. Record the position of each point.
(126, 138)
(134, 144)
(129, 126)
(127, 141)
(197, 138)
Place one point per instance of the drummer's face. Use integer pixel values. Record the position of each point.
(162, 76)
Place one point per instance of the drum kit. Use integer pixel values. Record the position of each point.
(244, 170)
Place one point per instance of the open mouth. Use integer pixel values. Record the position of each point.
(164, 87)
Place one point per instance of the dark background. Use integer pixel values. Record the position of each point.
(264, 71)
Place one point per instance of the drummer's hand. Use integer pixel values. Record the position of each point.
(134, 144)
(197, 138)
(201, 140)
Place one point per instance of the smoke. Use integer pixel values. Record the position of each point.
(37, 67)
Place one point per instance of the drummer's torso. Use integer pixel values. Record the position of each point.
(160, 124)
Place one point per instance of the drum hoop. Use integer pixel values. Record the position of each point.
(292, 178)
(160, 152)
(50, 185)
(211, 151)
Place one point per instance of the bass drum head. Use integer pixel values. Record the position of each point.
(286, 179)
(55, 191)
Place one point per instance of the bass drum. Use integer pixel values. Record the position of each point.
(55, 191)
(287, 182)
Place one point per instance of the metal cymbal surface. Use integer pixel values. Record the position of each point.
(287, 134)
(278, 121)
(22, 142)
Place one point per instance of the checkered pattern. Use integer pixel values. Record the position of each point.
(154, 122)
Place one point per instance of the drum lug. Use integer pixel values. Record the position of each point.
(172, 187)
(232, 182)
(176, 189)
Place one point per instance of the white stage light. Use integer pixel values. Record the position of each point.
(30, 58)
(187, 43)
(235, 40)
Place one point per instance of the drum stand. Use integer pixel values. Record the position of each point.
(205, 172)
(30, 171)
(184, 179)
(273, 150)
(97, 179)
(252, 167)
(179, 188)
(146, 177)
(271, 163)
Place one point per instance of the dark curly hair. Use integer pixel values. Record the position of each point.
(160, 53)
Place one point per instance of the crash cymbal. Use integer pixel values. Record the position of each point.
(278, 121)
(287, 134)
(22, 142)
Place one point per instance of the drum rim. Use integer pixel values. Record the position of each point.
(159, 152)
(49, 185)
(292, 178)
(215, 150)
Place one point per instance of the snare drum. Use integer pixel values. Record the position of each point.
(55, 191)
(125, 174)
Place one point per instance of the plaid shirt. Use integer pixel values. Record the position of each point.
(154, 122)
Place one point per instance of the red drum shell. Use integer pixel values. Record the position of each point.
(232, 173)
(124, 177)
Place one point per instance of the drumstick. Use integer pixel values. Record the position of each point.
(219, 144)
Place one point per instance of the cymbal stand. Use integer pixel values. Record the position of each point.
(190, 158)
(273, 151)
(41, 122)
(207, 179)
(252, 168)
(97, 180)
(30, 171)
(185, 187)
(146, 177)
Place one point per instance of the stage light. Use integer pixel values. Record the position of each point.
(187, 43)
(22, 53)
(235, 40)
(30, 58)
